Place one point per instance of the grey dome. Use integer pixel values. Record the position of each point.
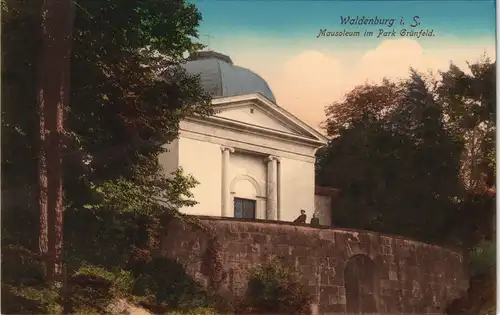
(221, 78)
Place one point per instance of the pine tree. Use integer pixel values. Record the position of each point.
(53, 93)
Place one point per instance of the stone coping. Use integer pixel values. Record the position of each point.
(324, 227)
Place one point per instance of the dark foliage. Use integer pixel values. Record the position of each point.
(128, 94)
(396, 158)
(274, 288)
(169, 283)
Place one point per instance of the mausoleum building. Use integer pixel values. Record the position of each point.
(253, 159)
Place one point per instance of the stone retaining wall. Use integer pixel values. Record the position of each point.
(346, 271)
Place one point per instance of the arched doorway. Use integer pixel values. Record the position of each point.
(361, 285)
(245, 191)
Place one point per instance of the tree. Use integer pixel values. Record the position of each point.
(470, 106)
(128, 94)
(396, 167)
(134, 51)
(360, 160)
(433, 184)
(368, 103)
(53, 93)
(363, 164)
(420, 117)
(469, 101)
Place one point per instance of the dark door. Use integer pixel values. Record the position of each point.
(361, 285)
(244, 208)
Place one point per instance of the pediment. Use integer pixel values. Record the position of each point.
(253, 115)
(256, 111)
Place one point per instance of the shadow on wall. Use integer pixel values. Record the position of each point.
(346, 271)
(361, 285)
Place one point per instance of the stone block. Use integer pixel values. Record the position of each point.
(299, 251)
(393, 275)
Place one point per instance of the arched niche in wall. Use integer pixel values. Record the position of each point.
(245, 188)
(361, 285)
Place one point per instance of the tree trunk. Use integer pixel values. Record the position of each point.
(57, 19)
(42, 181)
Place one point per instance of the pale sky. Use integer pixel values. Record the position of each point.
(307, 73)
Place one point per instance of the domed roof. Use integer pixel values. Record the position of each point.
(221, 78)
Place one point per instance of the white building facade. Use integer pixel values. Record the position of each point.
(253, 159)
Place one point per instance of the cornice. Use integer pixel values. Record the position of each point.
(234, 125)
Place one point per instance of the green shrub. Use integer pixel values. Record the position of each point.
(22, 299)
(103, 238)
(121, 244)
(122, 280)
(274, 288)
(23, 287)
(167, 281)
(92, 288)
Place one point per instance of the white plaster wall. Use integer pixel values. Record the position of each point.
(323, 206)
(249, 141)
(248, 179)
(169, 160)
(297, 189)
(200, 155)
(203, 160)
(248, 175)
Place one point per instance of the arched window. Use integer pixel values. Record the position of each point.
(361, 285)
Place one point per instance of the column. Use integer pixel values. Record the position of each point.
(272, 188)
(225, 182)
(280, 193)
